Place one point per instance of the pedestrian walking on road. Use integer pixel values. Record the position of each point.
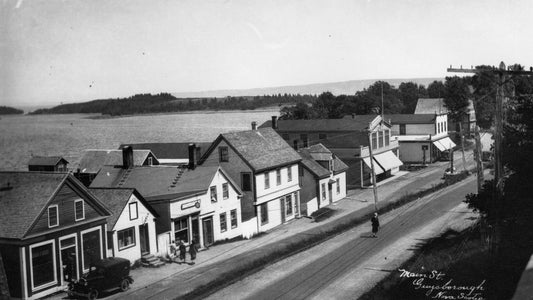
(375, 225)
(193, 249)
(183, 251)
(173, 249)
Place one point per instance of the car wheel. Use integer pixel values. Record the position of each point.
(124, 285)
(93, 294)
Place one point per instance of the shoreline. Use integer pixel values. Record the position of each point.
(106, 117)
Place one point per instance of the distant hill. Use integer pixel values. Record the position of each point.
(336, 88)
(6, 110)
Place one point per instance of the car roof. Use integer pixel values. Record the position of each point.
(111, 262)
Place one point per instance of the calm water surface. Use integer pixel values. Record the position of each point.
(68, 135)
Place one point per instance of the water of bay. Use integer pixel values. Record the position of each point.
(68, 135)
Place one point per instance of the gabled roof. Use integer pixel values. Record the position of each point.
(348, 123)
(411, 118)
(46, 160)
(93, 160)
(311, 156)
(436, 105)
(430, 106)
(261, 149)
(169, 150)
(116, 200)
(25, 195)
(158, 182)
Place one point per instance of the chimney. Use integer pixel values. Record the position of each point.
(274, 122)
(254, 125)
(127, 157)
(192, 156)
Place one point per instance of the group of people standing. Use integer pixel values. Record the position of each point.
(180, 250)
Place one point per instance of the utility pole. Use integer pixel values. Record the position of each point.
(374, 186)
(478, 154)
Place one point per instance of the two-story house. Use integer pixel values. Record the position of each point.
(322, 177)
(437, 106)
(423, 138)
(349, 139)
(200, 203)
(51, 229)
(266, 169)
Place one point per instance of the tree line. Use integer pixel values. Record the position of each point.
(6, 110)
(165, 102)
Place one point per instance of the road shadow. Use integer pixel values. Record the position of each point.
(323, 214)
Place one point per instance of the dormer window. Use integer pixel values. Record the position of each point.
(133, 211)
(53, 216)
(79, 209)
(150, 161)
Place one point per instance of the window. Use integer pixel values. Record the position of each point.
(150, 161)
(43, 264)
(402, 129)
(303, 137)
(213, 192)
(233, 218)
(53, 218)
(296, 203)
(330, 165)
(79, 209)
(225, 191)
(223, 225)
(267, 180)
(223, 153)
(300, 170)
(289, 174)
(322, 136)
(246, 183)
(288, 205)
(387, 137)
(374, 140)
(133, 211)
(295, 144)
(323, 191)
(338, 183)
(181, 229)
(264, 213)
(126, 238)
(285, 136)
(380, 139)
(278, 176)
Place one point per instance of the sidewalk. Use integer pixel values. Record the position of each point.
(176, 280)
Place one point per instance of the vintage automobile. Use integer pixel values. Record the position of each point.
(104, 275)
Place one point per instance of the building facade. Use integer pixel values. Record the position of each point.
(51, 230)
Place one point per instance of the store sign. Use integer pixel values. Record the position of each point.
(190, 204)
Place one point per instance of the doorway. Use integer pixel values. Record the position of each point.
(282, 206)
(207, 224)
(195, 228)
(330, 192)
(69, 260)
(143, 239)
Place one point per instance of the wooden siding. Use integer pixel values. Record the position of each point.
(64, 199)
(12, 262)
(308, 191)
(234, 167)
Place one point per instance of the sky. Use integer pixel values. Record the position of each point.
(54, 51)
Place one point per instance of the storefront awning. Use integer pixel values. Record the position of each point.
(444, 144)
(377, 168)
(388, 160)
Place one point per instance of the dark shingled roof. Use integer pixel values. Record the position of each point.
(311, 156)
(430, 106)
(93, 160)
(116, 199)
(45, 160)
(169, 150)
(262, 148)
(158, 182)
(359, 123)
(24, 195)
(411, 118)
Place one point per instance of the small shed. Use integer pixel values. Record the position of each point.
(48, 164)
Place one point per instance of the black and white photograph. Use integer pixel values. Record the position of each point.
(266, 149)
